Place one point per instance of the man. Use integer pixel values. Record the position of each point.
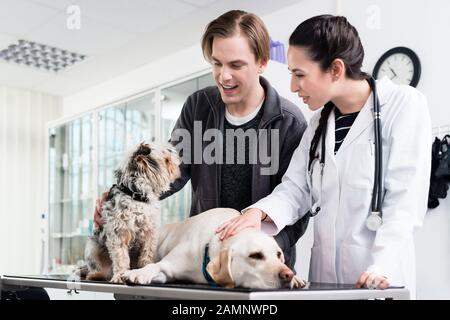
(242, 105)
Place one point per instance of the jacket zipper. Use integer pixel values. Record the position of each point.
(218, 171)
(257, 165)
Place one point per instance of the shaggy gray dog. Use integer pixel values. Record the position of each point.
(131, 213)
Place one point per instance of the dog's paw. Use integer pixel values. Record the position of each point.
(298, 283)
(143, 275)
(117, 278)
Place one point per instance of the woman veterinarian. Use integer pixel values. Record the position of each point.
(325, 57)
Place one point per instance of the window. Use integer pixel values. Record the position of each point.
(70, 191)
(176, 207)
(121, 127)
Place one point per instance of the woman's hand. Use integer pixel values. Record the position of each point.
(372, 280)
(251, 218)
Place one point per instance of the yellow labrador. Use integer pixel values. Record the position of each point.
(191, 251)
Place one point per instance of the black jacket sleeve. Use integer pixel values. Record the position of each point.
(292, 139)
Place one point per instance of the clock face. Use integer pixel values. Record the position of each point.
(398, 67)
(399, 64)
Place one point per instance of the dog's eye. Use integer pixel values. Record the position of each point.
(257, 256)
(279, 254)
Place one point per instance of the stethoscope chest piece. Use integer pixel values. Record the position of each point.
(315, 209)
(374, 221)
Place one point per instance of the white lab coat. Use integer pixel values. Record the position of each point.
(343, 246)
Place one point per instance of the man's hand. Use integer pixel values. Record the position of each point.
(372, 280)
(251, 218)
(98, 219)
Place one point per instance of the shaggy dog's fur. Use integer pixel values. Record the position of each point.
(131, 213)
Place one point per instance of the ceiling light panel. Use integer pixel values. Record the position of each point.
(40, 56)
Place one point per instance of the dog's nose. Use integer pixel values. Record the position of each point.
(286, 274)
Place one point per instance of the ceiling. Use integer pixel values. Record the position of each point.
(116, 35)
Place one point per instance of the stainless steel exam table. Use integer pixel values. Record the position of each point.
(313, 291)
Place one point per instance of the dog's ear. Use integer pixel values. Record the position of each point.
(143, 149)
(219, 269)
(118, 174)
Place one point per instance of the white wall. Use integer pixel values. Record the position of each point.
(421, 25)
(433, 254)
(424, 27)
(23, 118)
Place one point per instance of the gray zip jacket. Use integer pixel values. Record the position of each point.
(206, 107)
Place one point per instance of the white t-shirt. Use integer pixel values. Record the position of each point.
(237, 121)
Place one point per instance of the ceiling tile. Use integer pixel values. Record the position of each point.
(57, 4)
(87, 74)
(117, 35)
(92, 38)
(18, 17)
(15, 75)
(199, 3)
(65, 84)
(6, 40)
(145, 16)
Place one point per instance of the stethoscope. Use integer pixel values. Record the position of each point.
(374, 220)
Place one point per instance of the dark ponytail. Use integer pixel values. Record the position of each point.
(326, 38)
(324, 114)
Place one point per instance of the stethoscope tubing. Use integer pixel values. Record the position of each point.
(377, 184)
(378, 171)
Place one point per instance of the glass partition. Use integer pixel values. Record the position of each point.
(120, 128)
(177, 207)
(70, 191)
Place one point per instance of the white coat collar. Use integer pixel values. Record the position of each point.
(364, 119)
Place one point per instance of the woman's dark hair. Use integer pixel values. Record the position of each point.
(326, 38)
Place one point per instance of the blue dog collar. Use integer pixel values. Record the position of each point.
(205, 272)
